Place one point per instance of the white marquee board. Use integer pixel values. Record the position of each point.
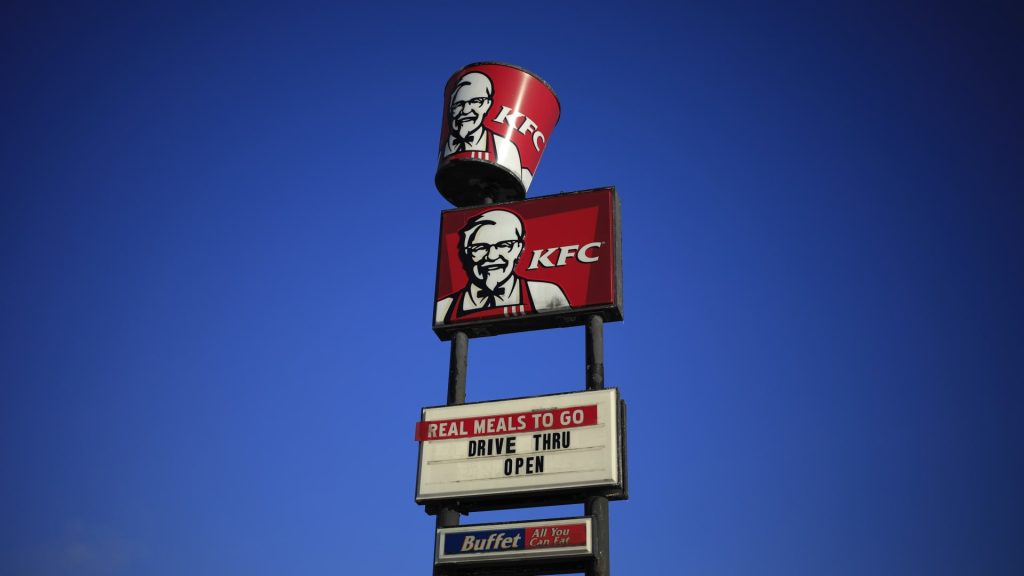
(525, 445)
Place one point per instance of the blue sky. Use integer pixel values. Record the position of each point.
(218, 243)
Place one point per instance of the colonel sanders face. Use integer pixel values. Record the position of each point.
(470, 102)
(492, 244)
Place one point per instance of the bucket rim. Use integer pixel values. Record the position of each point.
(558, 102)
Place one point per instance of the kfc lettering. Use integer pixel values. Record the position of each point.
(508, 117)
(586, 255)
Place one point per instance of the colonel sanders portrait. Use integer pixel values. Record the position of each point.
(489, 248)
(471, 100)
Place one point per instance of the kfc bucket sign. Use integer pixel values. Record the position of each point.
(496, 124)
(540, 263)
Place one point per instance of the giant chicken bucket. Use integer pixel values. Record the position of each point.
(496, 124)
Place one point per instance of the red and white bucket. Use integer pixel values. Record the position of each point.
(496, 123)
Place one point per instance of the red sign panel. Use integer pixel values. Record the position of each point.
(540, 263)
(555, 419)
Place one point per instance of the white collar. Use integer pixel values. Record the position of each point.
(476, 141)
(475, 301)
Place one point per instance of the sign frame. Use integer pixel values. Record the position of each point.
(534, 496)
(610, 312)
(566, 558)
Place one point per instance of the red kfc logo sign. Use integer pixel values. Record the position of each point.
(541, 263)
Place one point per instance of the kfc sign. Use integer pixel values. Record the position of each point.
(521, 447)
(496, 123)
(540, 263)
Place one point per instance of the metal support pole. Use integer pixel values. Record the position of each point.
(595, 353)
(457, 363)
(597, 506)
(457, 369)
(448, 517)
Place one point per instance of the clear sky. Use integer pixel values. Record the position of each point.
(218, 238)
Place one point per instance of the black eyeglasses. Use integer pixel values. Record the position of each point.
(503, 248)
(471, 103)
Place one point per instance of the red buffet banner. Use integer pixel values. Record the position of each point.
(541, 263)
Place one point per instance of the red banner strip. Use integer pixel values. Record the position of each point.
(556, 536)
(518, 423)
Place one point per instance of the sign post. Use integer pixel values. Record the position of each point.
(457, 365)
(549, 262)
(597, 505)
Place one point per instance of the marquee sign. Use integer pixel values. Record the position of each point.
(516, 541)
(540, 263)
(523, 446)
